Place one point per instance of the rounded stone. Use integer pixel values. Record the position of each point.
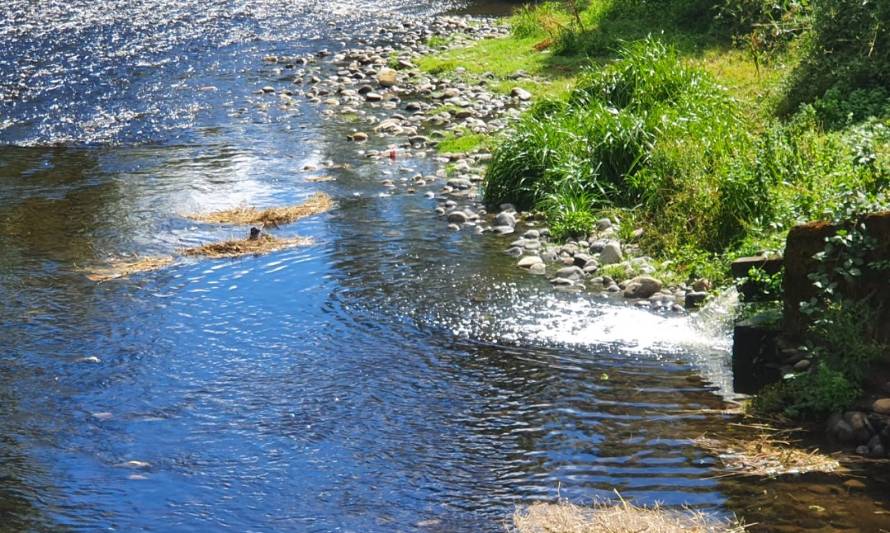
(881, 406)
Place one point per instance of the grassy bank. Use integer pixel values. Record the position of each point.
(706, 129)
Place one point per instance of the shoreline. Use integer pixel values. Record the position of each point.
(411, 112)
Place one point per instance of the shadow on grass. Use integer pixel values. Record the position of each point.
(687, 25)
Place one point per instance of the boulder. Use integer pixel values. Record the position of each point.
(881, 406)
(505, 219)
(573, 273)
(514, 251)
(529, 260)
(457, 217)
(387, 77)
(611, 253)
(538, 269)
(582, 260)
(694, 299)
(642, 287)
(862, 428)
(522, 94)
(839, 430)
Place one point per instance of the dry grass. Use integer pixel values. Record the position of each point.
(275, 216)
(122, 269)
(237, 248)
(621, 517)
(767, 456)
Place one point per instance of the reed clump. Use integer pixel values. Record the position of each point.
(272, 217)
(623, 517)
(239, 247)
(122, 269)
(766, 456)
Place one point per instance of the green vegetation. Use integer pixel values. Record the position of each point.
(569, 213)
(713, 128)
(462, 142)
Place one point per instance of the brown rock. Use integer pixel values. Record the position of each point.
(881, 406)
(854, 484)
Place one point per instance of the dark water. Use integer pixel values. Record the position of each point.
(392, 376)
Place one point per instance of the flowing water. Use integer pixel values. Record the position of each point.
(393, 376)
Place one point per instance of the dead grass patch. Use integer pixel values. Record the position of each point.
(767, 455)
(275, 216)
(122, 269)
(622, 517)
(236, 248)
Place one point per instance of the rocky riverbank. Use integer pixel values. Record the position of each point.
(395, 110)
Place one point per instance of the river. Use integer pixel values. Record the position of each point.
(393, 376)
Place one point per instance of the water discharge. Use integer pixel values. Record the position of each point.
(393, 375)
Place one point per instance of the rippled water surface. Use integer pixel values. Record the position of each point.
(394, 375)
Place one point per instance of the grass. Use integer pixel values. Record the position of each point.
(623, 517)
(503, 58)
(454, 143)
(275, 216)
(240, 247)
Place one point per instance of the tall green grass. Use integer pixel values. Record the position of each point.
(649, 132)
(622, 136)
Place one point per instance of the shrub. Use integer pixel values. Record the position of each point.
(763, 25)
(535, 20)
(847, 54)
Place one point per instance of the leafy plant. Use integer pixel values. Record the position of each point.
(569, 213)
(769, 286)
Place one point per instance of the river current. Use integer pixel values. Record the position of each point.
(392, 376)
